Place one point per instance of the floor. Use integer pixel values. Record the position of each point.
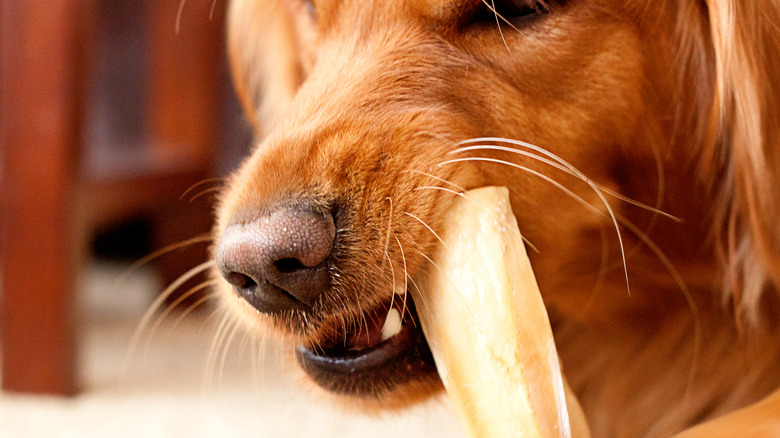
(170, 385)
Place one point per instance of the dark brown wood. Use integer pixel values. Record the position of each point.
(40, 119)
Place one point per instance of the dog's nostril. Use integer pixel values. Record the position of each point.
(288, 265)
(278, 261)
(240, 281)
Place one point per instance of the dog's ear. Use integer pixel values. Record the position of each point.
(745, 144)
(264, 59)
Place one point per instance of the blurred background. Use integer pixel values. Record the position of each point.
(118, 124)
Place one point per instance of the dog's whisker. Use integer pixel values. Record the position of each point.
(492, 7)
(223, 328)
(406, 277)
(344, 323)
(227, 345)
(435, 234)
(304, 323)
(661, 172)
(487, 147)
(454, 287)
(558, 185)
(179, 14)
(421, 295)
(373, 318)
(499, 18)
(262, 349)
(199, 302)
(567, 167)
(659, 201)
(443, 189)
(226, 349)
(201, 183)
(463, 195)
(254, 357)
(256, 349)
(393, 288)
(449, 183)
(219, 353)
(200, 238)
(389, 229)
(180, 299)
(683, 287)
(213, 315)
(243, 345)
(216, 341)
(596, 189)
(570, 193)
(213, 7)
(205, 192)
(362, 317)
(341, 314)
(600, 277)
(156, 304)
(417, 288)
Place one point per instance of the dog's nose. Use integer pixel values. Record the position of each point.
(277, 262)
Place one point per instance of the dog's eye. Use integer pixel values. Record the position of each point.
(518, 13)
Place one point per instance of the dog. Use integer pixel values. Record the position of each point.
(640, 143)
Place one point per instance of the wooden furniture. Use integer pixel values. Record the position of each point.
(49, 203)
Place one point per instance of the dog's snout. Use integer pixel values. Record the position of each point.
(278, 261)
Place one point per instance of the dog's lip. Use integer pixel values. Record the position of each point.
(374, 370)
(345, 360)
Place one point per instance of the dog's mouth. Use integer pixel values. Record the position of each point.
(382, 350)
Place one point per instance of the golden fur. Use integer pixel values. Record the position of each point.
(672, 104)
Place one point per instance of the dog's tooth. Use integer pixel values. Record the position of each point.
(392, 324)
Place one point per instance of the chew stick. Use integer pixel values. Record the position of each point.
(486, 324)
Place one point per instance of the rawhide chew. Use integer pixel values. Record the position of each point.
(484, 319)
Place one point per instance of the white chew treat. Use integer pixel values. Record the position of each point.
(486, 324)
(392, 324)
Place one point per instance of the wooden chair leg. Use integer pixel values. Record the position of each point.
(39, 126)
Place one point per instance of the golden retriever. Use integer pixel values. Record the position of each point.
(640, 141)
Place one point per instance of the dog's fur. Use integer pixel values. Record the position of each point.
(672, 104)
